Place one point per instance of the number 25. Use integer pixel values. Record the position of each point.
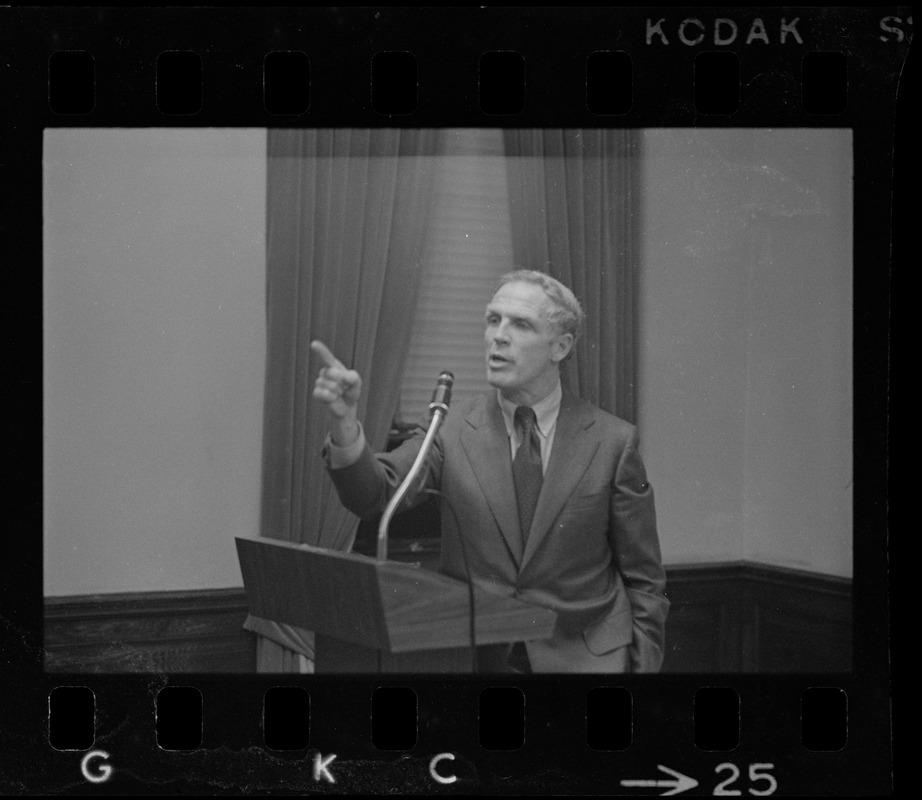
(757, 772)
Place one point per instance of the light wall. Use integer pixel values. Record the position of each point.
(154, 343)
(745, 356)
(154, 352)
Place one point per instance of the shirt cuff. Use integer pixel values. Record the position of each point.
(340, 457)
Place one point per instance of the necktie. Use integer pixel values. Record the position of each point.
(526, 468)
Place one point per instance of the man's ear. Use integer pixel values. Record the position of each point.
(562, 346)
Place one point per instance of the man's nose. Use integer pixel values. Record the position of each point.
(500, 333)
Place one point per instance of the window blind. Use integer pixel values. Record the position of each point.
(468, 246)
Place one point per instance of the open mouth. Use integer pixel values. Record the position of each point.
(495, 360)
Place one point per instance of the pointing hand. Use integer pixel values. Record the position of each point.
(339, 388)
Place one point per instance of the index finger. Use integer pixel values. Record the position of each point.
(324, 352)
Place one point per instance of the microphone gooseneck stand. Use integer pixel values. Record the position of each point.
(438, 408)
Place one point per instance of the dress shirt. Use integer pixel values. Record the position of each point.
(546, 412)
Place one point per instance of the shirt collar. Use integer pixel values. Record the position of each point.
(546, 411)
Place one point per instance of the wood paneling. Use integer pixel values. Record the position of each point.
(193, 631)
(730, 618)
(742, 617)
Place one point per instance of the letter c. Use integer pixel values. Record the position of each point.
(434, 774)
(105, 770)
(691, 21)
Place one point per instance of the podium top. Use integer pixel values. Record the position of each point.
(386, 605)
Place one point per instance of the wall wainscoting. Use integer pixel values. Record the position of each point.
(755, 618)
(725, 618)
(189, 631)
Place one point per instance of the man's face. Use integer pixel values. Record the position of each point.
(523, 347)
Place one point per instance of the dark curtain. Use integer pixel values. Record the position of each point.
(573, 198)
(346, 213)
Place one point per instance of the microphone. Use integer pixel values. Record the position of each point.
(441, 397)
(438, 409)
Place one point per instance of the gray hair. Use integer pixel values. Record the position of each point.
(567, 314)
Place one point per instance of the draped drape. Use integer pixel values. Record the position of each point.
(573, 198)
(346, 212)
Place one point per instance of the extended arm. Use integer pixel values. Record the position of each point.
(364, 481)
(366, 485)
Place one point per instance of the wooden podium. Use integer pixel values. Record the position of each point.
(379, 616)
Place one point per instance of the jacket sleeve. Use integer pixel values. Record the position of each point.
(366, 486)
(635, 544)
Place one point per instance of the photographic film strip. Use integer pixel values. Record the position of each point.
(769, 151)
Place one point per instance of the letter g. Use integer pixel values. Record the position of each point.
(105, 770)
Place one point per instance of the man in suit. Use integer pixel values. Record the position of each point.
(546, 497)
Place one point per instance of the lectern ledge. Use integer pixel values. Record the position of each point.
(372, 615)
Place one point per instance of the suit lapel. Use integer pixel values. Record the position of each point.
(573, 449)
(486, 444)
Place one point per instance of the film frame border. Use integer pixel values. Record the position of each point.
(126, 41)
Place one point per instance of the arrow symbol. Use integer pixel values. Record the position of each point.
(681, 783)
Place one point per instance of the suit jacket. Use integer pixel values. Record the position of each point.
(592, 553)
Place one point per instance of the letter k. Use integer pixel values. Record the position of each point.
(320, 767)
